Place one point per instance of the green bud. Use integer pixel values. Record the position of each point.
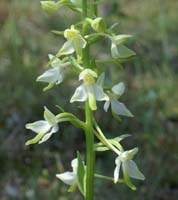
(71, 34)
(50, 7)
(98, 25)
(77, 3)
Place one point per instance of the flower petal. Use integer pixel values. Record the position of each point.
(80, 94)
(128, 155)
(124, 52)
(41, 126)
(82, 42)
(117, 170)
(50, 117)
(114, 51)
(118, 39)
(67, 177)
(74, 164)
(100, 80)
(118, 89)
(120, 109)
(56, 62)
(99, 93)
(133, 170)
(121, 51)
(48, 135)
(51, 76)
(106, 106)
(66, 49)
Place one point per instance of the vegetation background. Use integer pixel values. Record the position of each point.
(151, 80)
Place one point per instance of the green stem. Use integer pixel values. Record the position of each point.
(84, 9)
(90, 153)
(62, 117)
(93, 8)
(99, 134)
(108, 178)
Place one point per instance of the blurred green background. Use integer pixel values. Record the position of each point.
(151, 81)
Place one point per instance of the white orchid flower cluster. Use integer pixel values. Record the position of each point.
(74, 56)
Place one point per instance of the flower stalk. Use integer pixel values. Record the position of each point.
(90, 153)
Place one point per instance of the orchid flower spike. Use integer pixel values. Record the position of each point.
(89, 90)
(56, 74)
(43, 128)
(69, 178)
(117, 107)
(129, 167)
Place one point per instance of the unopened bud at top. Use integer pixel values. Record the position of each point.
(50, 7)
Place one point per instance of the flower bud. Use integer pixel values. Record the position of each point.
(71, 34)
(98, 25)
(49, 6)
(77, 2)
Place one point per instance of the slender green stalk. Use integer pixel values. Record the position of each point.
(84, 9)
(93, 8)
(99, 134)
(90, 154)
(108, 178)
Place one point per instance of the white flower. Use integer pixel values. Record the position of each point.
(43, 128)
(75, 42)
(56, 73)
(69, 178)
(118, 50)
(117, 107)
(125, 161)
(89, 90)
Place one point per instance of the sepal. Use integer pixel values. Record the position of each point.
(119, 39)
(119, 89)
(121, 51)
